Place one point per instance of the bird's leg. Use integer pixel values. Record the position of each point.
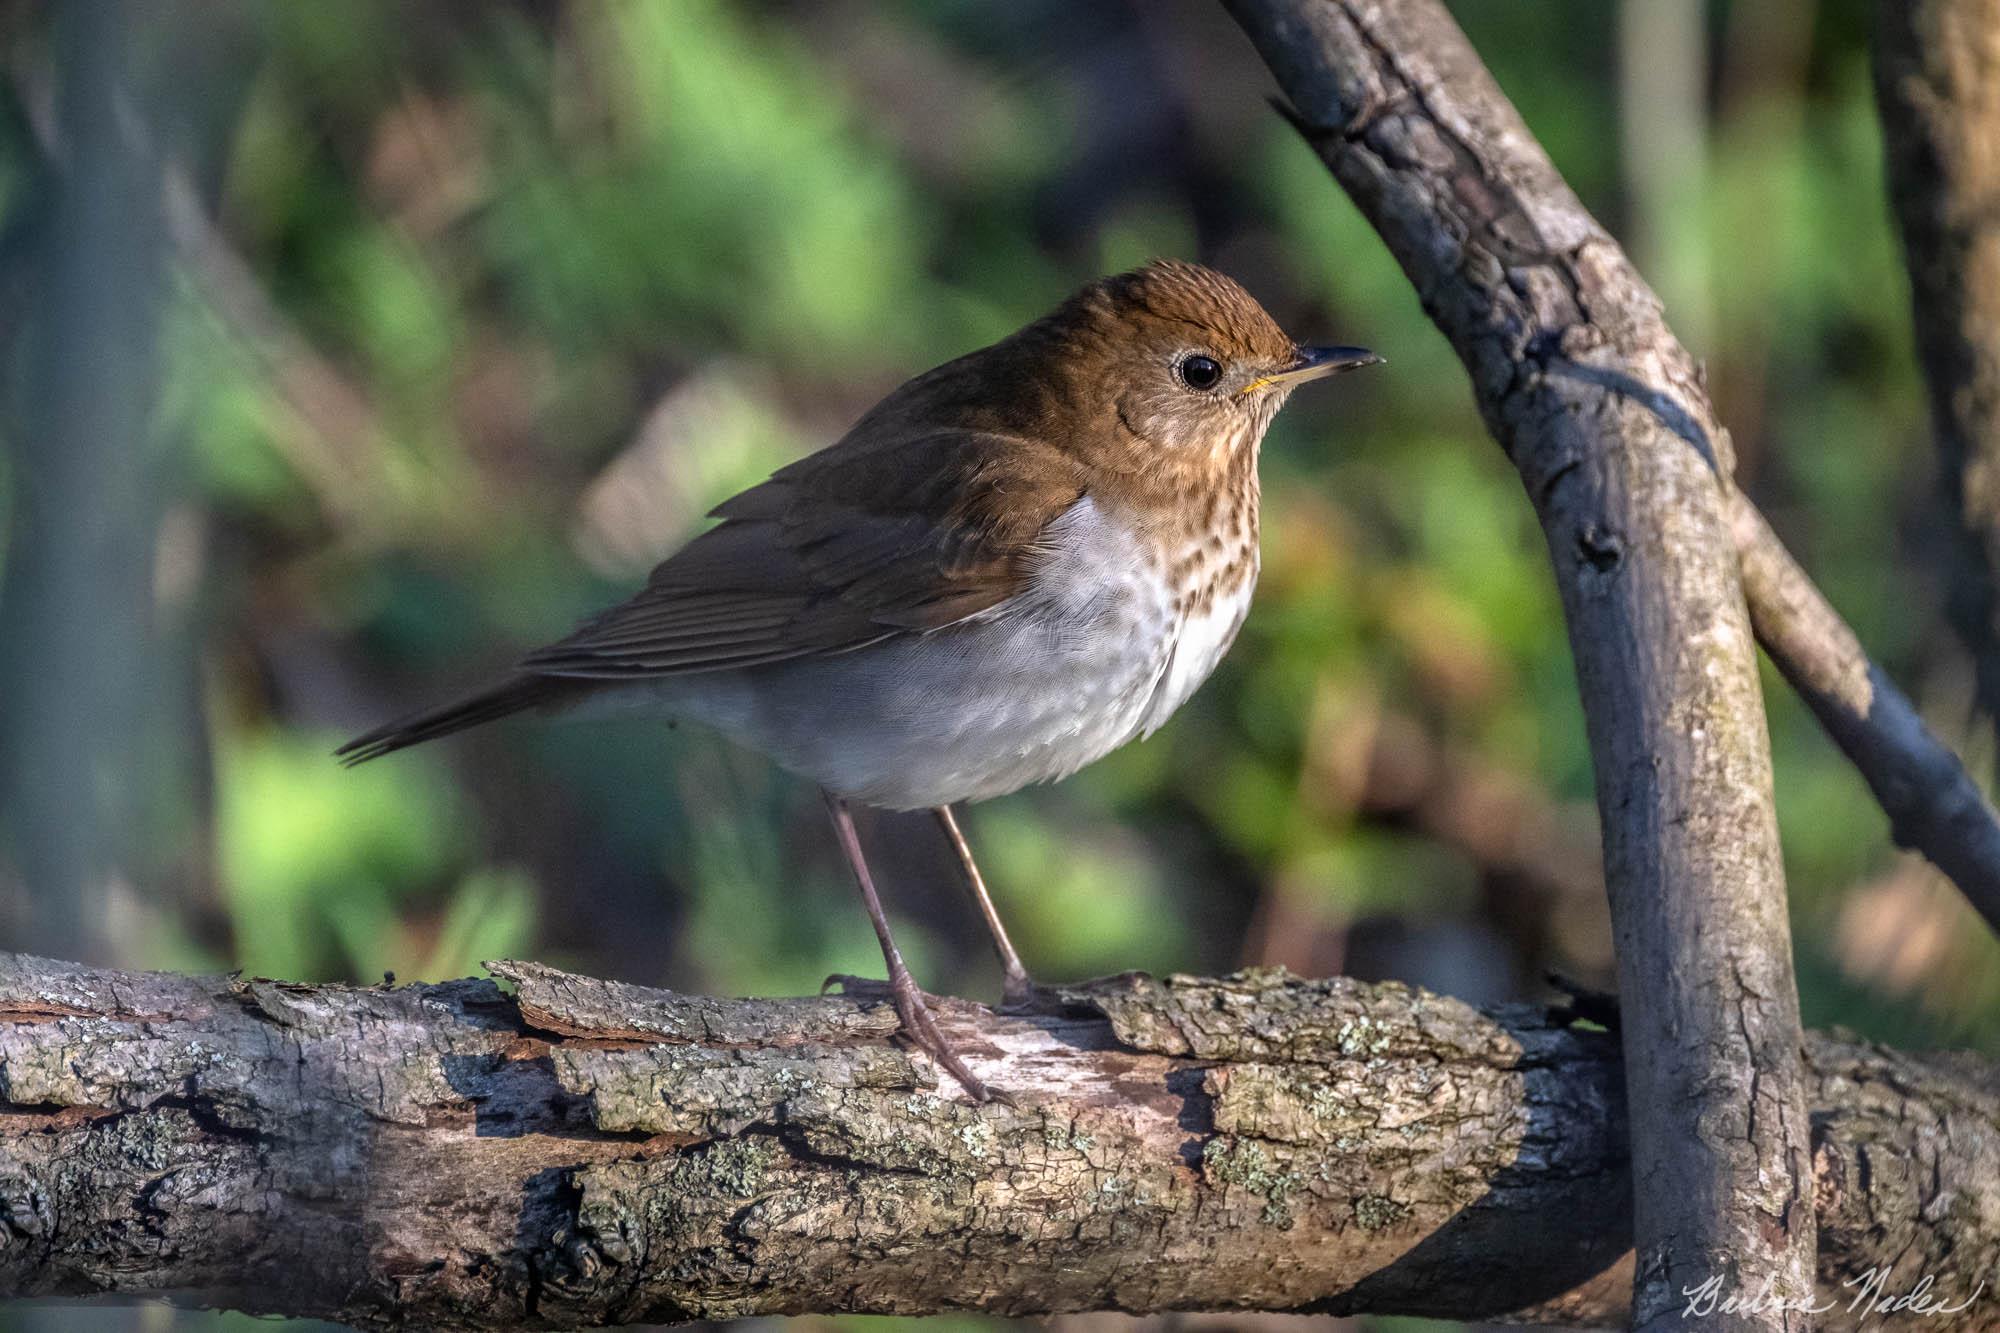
(1017, 988)
(911, 1010)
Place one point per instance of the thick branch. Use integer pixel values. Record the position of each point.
(1937, 81)
(588, 1152)
(1606, 417)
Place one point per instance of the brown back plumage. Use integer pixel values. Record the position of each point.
(927, 512)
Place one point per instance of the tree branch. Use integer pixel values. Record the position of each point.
(1933, 804)
(1937, 84)
(586, 1152)
(1608, 421)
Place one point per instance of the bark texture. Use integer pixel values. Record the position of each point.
(1937, 82)
(583, 1152)
(1607, 419)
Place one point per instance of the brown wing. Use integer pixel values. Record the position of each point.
(846, 547)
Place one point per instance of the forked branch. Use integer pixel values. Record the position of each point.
(1606, 417)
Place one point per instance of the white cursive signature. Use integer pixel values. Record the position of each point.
(1871, 1297)
(1709, 1298)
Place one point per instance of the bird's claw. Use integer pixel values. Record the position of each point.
(1024, 995)
(915, 1024)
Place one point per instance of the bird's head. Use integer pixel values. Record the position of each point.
(1188, 368)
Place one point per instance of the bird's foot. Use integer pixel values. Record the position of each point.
(865, 988)
(913, 1013)
(1022, 994)
(1019, 996)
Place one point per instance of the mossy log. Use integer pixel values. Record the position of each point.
(567, 1151)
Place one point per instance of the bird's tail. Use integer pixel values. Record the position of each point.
(509, 696)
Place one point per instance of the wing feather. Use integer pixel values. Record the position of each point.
(841, 549)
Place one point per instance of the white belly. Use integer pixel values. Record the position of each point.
(1096, 655)
(1200, 640)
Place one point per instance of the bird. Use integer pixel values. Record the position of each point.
(1012, 565)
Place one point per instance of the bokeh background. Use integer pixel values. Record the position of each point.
(351, 349)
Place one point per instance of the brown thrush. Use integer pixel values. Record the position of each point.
(1012, 565)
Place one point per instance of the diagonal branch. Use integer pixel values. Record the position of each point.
(1934, 806)
(1608, 421)
(582, 1152)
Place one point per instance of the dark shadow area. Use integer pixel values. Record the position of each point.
(512, 1097)
(1661, 405)
(1582, 1186)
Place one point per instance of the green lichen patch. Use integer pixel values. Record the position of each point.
(686, 1089)
(735, 1167)
(1292, 1103)
(685, 1201)
(976, 1138)
(1268, 1014)
(1060, 1135)
(1361, 1036)
(1249, 1165)
(587, 1006)
(916, 1132)
(1374, 1212)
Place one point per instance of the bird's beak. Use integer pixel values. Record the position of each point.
(1316, 363)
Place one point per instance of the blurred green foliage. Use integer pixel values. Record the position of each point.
(509, 296)
(493, 302)
(314, 856)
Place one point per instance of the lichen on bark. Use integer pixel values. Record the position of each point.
(581, 1152)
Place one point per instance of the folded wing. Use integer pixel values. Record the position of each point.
(844, 548)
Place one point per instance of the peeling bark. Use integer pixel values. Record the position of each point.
(583, 1152)
(1608, 420)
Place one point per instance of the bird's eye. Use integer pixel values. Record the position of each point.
(1200, 372)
